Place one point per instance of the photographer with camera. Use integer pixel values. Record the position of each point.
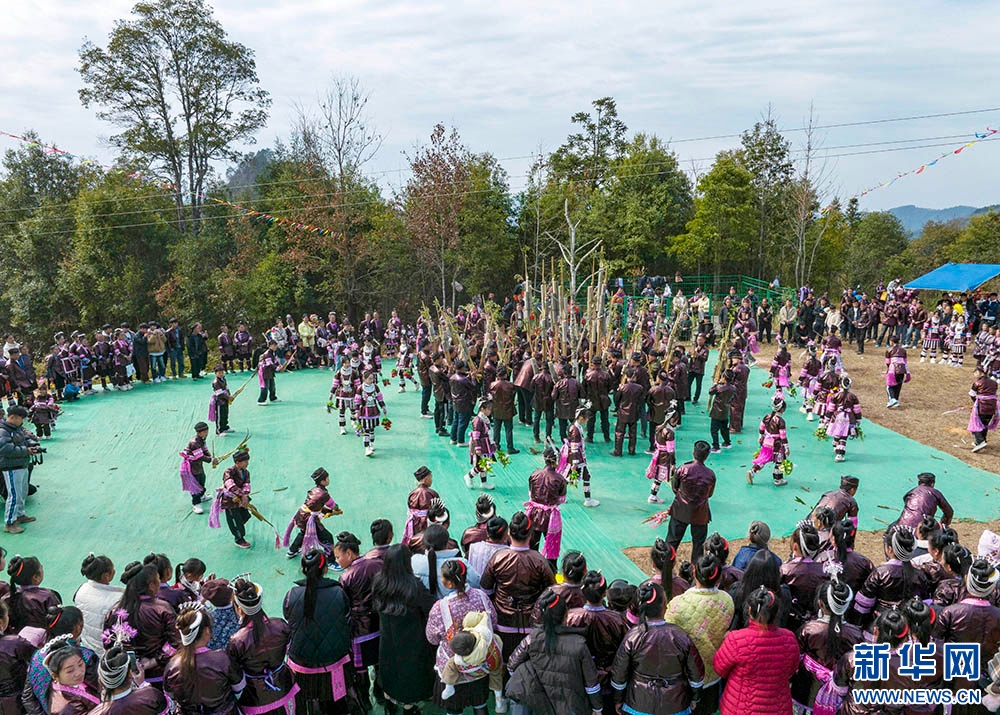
(17, 447)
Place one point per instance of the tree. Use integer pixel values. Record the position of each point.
(116, 261)
(646, 203)
(181, 91)
(724, 220)
(488, 247)
(766, 154)
(804, 193)
(932, 248)
(433, 199)
(877, 237)
(587, 154)
(343, 138)
(35, 229)
(979, 241)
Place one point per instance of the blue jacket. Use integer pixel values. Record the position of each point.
(13, 446)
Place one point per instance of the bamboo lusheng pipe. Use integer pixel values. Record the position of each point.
(720, 366)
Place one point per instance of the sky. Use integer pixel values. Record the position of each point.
(509, 75)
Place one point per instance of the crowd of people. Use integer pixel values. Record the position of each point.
(503, 616)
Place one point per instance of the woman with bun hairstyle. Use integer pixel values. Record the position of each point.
(29, 603)
(188, 580)
(855, 566)
(822, 642)
(69, 693)
(406, 675)
(258, 649)
(892, 627)
(319, 648)
(497, 538)
(718, 547)
(955, 562)
(65, 624)
(974, 619)
(895, 581)
(552, 670)
(485, 510)
(758, 538)
(122, 689)
(574, 568)
(657, 670)
(154, 621)
(199, 680)
(764, 569)
(446, 618)
(356, 580)
(664, 557)
(802, 573)
(514, 579)
(604, 631)
(934, 569)
(705, 613)
(438, 549)
(758, 661)
(96, 598)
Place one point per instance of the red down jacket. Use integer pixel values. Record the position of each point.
(758, 663)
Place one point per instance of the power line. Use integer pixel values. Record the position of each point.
(459, 193)
(847, 124)
(669, 142)
(282, 199)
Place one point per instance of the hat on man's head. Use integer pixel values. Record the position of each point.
(200, 427)
(241, 455)
(217, 592)
(849, 482)
(319, 475)
(422, 472)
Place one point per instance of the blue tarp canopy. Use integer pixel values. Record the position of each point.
(956, 277)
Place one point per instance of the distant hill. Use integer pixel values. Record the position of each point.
(914, 217)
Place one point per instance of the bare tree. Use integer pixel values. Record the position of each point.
(343, 137)
(574, 254)
(808, 187)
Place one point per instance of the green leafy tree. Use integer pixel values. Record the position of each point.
(725, 219)
(488, 246)
(182, 92)
(932, 248)
(588, 153)
(118, 252)
(877, 238)
(979, 241)
(767, 155)
(645, 204)
(36, 223)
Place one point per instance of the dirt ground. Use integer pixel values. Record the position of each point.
(933, 410)
(868, 543)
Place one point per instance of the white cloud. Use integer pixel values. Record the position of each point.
(510, 74)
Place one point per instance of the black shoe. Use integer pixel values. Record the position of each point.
(512, 450)
(616, 454)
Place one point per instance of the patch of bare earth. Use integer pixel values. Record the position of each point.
(868, 542)
(933, 411)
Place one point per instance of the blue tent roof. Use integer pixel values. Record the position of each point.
(956, 276)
